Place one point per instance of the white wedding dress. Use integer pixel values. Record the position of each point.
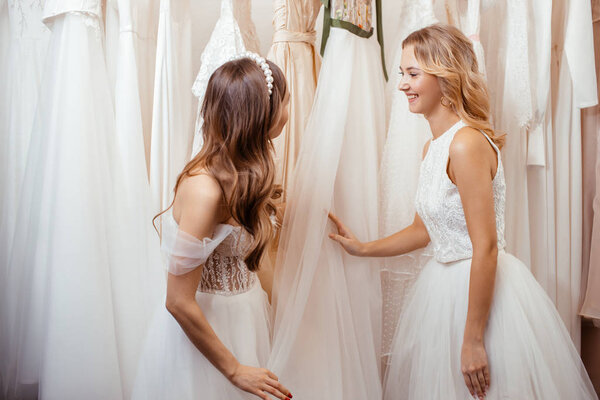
(172, 109)
(232, 301)
(226, 41)
(327, 328)
(530, 353)
(26, 41)
(81, 282)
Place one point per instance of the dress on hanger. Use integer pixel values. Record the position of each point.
(25, 42)
(76, 288)
(232, 301)
(590, 126)
(136, 23)
(530, 353)
(226, 41)
(172, 109)
(293, 50)
(327, 327)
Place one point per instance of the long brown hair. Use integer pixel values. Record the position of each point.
(238, 115)
(444, 51)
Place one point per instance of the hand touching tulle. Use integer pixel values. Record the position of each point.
(346, 238)
(259, 381)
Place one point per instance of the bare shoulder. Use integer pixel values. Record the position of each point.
(200, 189)
(469, 142)
(198, 201)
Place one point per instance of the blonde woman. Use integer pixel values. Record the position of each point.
(477, 324)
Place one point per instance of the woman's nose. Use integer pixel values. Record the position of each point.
(402, 85)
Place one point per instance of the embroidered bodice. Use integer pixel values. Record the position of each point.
(439, 205)
(357, 12)
(222, 256)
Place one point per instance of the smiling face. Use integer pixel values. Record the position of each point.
(422, 89)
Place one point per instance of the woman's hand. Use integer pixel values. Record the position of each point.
(346, 238)
(259, 381)
(475, 370)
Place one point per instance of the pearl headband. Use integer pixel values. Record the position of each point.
(262, 63)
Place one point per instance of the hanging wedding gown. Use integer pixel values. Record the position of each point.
(232, 301)
(327, 327)
(23, 44)
(591, 127)
(529, 351)
(131, 33)
(293, 50)
(78, 294)
(226, 41)
(574, 88)
(407, 134)
(542, 160)
(172, 110)
(133, 78)
(25, 47)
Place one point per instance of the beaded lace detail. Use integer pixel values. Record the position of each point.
(439, 205)
(225, 271)
(357, 12)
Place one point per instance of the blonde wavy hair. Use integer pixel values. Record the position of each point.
(444, 51)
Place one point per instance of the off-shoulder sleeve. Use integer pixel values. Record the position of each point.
(185, 252)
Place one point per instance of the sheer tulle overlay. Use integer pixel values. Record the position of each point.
(327, 325)
(77, 292)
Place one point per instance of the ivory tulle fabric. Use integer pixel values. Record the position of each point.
(172, 110)
(232, 301)
(294, 51)
(25, 42)
(80, 287)
(530, 353)
(327, 327)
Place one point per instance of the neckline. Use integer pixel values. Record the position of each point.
(452, 128)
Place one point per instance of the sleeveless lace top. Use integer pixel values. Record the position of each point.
(224, 271)
(439, 205)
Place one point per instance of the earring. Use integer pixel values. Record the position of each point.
(447, 105)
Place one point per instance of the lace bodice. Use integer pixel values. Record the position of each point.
(439, 205)
(222, 256)
(233, 34)
(225, 271)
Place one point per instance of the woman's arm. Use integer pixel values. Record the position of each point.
(197, 209)
(472, 166)
(408, 239)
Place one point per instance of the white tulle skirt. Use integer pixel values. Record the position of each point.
(171, 367)
(529, 350)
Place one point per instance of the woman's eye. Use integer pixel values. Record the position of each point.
(413, 74)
